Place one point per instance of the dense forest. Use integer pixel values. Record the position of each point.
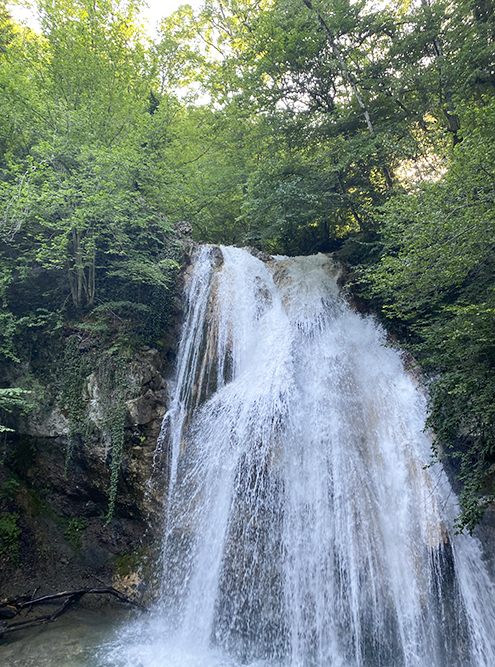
(295, 126)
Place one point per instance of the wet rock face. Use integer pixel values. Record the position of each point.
(61, 504)
(146, 408)
(58, 505)
(260, 254)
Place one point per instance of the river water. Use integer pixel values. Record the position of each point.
(73, 640)
(302, 526)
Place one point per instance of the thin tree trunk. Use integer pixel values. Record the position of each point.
(72, 283)
(91, 280)
(350, 80)
(78, 274)
(450, 111)
(78, 268)
(343, 65)
(354, 212)
(14, 608)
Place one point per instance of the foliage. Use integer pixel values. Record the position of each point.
(437, 274)
(74, 372)
(84, 187)
(113, 385)
(9, 488)
(126, 562)
(10, 531)
(10, 398)
(73, 533)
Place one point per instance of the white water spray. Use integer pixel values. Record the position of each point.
(302, 526)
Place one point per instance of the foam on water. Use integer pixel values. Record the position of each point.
(302, 527)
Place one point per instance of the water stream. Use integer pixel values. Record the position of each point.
(302, 527)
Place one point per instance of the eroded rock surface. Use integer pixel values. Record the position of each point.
(60, 502)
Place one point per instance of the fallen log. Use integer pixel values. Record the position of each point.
(80, 593)
(13, 608)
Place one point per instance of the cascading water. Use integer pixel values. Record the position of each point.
(302, 527)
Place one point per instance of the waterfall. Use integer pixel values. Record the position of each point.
(303, 527)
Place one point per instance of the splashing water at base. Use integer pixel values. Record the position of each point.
(302, 526)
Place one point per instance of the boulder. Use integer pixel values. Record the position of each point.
(146, 408)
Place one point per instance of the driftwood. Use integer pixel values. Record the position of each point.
(13, 608)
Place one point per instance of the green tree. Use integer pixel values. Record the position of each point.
(83, 190)
(370, 89)
(10, 399)
(437, 276)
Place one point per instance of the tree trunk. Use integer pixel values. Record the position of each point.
(350, 80)
(91, 280)
(345, 70)
(449, 111)
(77, 277)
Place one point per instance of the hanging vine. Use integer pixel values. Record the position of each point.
(75, 369)
(113, 384)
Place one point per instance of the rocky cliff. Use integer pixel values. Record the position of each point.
(61, 523)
